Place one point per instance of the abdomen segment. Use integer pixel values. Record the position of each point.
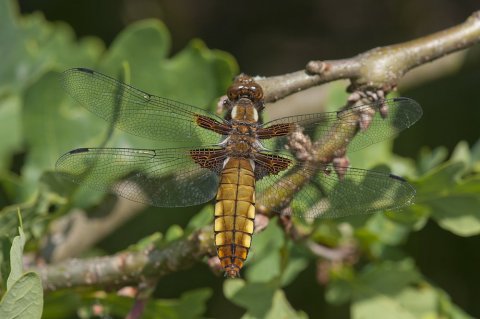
(235, 214)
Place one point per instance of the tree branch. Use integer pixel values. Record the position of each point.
(153, 263)
(380, 68)
(130, 267)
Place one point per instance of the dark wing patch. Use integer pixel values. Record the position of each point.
(276, 130)
(268, 164)
(212, 159)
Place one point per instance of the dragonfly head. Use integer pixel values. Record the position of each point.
(245, 87)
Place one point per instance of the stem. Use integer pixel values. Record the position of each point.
(381, 67)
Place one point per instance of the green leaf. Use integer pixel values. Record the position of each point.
(282, 309)
(327, 232)
(174, 232)
(388, 277)
(16, 260)
(296, 262)
(147, 242)
(257, 298)
(143, 43)
(430, 159)
(5, 245)
(7, 10)
(422, 301)
(24, 296)
(265, 257)
(438, 181)
(414, 217)
(461, 153)
(388, 289)
(262, 300)
(453, 203)
(377, 290)
(387, 231)
(448, 309)
(36, 46)
(24, 299)
(390, 307)
(201, 219)
(459, 213)
(476, 156)
(339, 292)
(192, 304)
(272, 258)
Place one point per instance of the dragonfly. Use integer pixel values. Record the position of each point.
(237, 160)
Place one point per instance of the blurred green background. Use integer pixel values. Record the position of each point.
(421, 263)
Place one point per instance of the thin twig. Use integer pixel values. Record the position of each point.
(67, 239)
(144, 292)
(333, 254)
(381, 67)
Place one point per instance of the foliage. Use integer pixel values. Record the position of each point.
(42, 122)
(24, 295)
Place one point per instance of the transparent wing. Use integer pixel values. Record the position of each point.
(370, 126)
(321, 193)
(135, 111)
(164, 178)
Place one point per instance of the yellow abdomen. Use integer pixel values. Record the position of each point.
(235, 214)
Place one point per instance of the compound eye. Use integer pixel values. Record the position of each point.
(232, 92)
(256, 91)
